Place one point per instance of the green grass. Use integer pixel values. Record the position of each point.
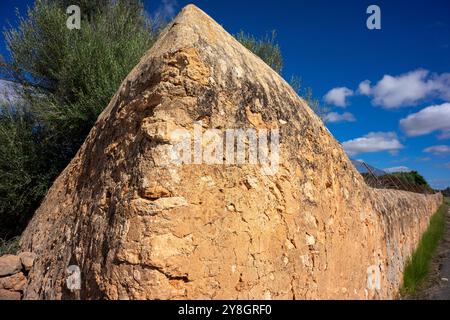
(417, 269)
(9, 246)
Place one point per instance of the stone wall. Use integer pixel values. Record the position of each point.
(138, 226)
(13, 275)
(404, 217)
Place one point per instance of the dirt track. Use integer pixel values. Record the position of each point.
(437, 286)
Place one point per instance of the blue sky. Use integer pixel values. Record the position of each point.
(391, 86)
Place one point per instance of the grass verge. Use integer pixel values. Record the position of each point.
(418, 266)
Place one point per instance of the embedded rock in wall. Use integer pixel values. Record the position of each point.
(132, 218)
(13, 272)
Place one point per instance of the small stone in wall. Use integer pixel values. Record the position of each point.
(308, 191)
(15, 282)
(346, 193)
(156, 192)
(305, 261)
(310, 240)
(267, 295)
(9, 295)
(289, 244)
(9, 265)
(170, 203)
(251, 182)
(27, 260)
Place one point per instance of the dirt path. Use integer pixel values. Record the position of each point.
(437, 286)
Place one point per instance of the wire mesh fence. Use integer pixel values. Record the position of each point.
(382, 180)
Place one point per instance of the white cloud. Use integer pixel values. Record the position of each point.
(334, 117)
(373, 142)
(423, 159)
(364, 88)
(407, 89)
(440, 183)
(338, 96)
(166, 10)
(442, 84)
(438, 150)
(444, 135)
(433, 118)
(397, 169)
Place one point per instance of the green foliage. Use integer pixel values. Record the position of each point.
(67, 77)
(308, 96)
(9, 246)
(418, 267)
(270, 52)
(446, 192)
(414, 178)
(25, 170)
(266, 48)
(409, 181)
(296, 84)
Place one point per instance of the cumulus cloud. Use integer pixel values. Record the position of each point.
(438, 150)
(397, 169)
(442, 84)
(364, 88)
(407, 89)
(333, 117)
(428, 120)
(373, 142)
(338, 96)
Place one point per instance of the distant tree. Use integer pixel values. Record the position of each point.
(413, 177)
(408, 181)
(446, 192)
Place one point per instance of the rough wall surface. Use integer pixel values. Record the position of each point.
(404, 218)
(140, 227)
